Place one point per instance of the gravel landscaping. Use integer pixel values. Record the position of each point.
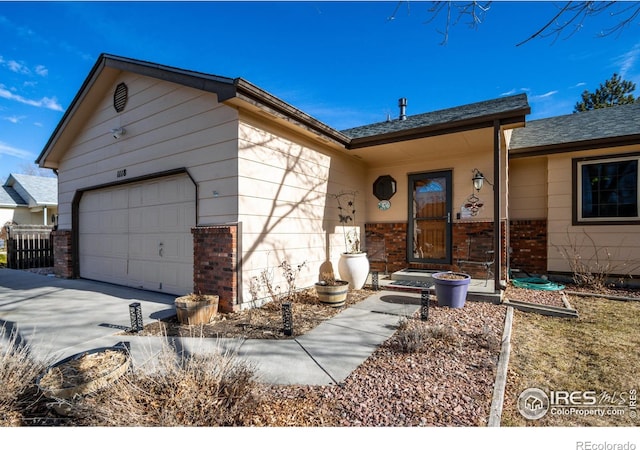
(439, 372)
(446, 381)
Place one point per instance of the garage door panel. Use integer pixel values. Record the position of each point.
(139, 235)
(111, 270)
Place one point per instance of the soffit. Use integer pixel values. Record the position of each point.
(452, 145)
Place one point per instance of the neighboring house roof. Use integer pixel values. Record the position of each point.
(613, 126)
(507, 110)
(30, 190)
(9, 197)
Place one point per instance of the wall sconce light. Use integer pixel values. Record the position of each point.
(478, 180)
(117, 133)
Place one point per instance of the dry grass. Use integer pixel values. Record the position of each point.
(212, 389)
(18, 374)
(596, 352)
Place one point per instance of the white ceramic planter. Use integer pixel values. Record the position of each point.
(354, 268)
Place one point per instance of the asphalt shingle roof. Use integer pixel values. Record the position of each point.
(43, 190)
(613, 122)
(9, 197)
(445, 116)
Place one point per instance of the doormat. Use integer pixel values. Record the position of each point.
(410, 283)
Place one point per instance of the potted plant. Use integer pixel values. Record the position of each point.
(353, 265)
(451, 288)
(330, 291)
(196, 309)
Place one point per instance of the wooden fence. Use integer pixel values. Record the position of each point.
(29, 246)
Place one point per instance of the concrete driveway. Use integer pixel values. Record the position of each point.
(59, 318)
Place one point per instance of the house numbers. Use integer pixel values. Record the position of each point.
(121, 173)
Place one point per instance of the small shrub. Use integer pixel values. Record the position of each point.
(18, 374)
(594, 271)
(413, 336)
(265, 283)
(442, 332)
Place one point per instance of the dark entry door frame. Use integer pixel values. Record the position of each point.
(429, 222)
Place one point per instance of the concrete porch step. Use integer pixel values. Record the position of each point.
(414, 280)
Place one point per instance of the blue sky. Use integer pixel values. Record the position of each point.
(344, 63)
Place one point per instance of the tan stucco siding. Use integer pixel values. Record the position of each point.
(615, 245)
(167, 127)
(528, 188)
(459, 153)
(24, 216)
(285, 204)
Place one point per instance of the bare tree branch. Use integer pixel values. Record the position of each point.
(569, 19)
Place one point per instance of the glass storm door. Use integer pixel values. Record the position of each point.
(429, 234)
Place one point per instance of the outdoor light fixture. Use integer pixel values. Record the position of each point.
(478, 180)
(117, 133)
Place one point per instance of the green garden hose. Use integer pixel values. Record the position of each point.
(536, 283)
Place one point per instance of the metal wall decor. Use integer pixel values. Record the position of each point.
(384, 187)
(120, 97)
(473, 204)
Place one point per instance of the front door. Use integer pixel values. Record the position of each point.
(429, 234)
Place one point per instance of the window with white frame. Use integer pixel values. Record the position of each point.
(607, 189)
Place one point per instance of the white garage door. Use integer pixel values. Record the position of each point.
(139, 235)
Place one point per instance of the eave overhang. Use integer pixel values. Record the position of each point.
(230, 91)
(566, 147)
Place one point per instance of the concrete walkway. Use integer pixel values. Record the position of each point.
(59, 318)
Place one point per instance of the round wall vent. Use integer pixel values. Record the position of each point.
(120, 97)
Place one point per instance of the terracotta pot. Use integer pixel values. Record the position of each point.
(354, 268)
(196, 310)
(333, 295)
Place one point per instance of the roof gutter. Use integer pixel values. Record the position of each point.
(252, 94)
(593, 144)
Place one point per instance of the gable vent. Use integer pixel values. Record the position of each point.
(120, 97)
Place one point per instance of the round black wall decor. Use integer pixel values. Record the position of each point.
(384, 187)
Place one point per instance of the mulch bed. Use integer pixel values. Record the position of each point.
(258, 323)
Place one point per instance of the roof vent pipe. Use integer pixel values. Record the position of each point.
(402, 103)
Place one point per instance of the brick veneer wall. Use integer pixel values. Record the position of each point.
(528, 239)
(395, 239)
(481, 236)
(215, 260)
(62, 254)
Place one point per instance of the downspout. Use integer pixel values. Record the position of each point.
(497, 235)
